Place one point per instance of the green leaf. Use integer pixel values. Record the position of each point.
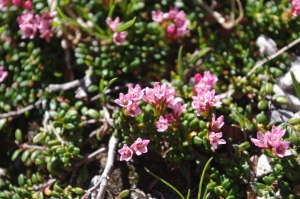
(87, 17)
(109, 84)
(202, 178)
(200, 54)
(126, 25)
(130, 7)
(296, 85)
(179, 62)
(2, 28)
(166, 183)
(79, 25)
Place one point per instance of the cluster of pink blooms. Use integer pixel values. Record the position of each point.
(296, 8)
(139, 147)
(272, 141)
(29, 24)
(204, 97)
(214, 136)
(175, 22)
(27, 4)
(118, 37)
(3, 73)
(160, 97)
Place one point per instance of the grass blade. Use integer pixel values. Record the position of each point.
(179, 62)
(202, 177)
(296, 85)
(166, 183)
(126, 25)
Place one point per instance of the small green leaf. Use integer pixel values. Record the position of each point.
(200, 54)
(79, 25)
(179, 62)
(109, 84)
(126, 25)
(2, 28)
(296, 85)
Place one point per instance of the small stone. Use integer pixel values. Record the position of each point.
(263, 166)
(267, 46)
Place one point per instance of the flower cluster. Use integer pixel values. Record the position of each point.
(3, 74)
(30, 23)
(296, 8)
(139, 147)
(272, 141)
(129, 101)
(160, 97)
(175, 22)
(204, 97)
(118, 37)
(216, 125)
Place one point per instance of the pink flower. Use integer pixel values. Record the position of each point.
(27, 25)
(124, 100)
(45, 26)
(133, 110)
(17, 2)
(171, 29)
(206, 82)
(113, 25)
(275, 135)
(180, 19)
(149, 96)
(280, 148)
(216, 125)
(214, 139)
(204, 101)
(172, 13)
(177, 107)
(119, 37)
(2, 4)
(158, 16)
(3, 74)
(126, 153)
(162, 124)
(136, 92)
(197, 78)
(140, 146)
(159, 91)
(261, 140)
(28, 4)
(183, 30)
(296, 8)
(170, 118)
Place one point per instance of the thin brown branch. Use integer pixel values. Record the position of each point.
(49, 182)
(21, 111)
(27, 146)
(269, 58)
(57, 135)
(65, 86)
(90, 157)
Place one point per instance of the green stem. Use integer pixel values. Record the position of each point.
(202, 177)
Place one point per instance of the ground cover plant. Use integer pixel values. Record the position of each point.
(149, 99)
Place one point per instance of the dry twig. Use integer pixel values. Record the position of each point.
(21, 111)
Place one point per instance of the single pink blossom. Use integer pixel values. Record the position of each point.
(180, 19)
(126, 153)
(113, 24)
(280, 148)
(216, 125)
(45, 25)
(149, 96)
(275, 135)
(182, 30)
(158, 16)
(295, 8)
(169, 95)
(3, 74)
(170, 118)
(140, 146)
(172, 13)
(28, 4)
(124, 100)
(177, 107)
(197, 78)
(17, 2)
(133, 110)
(214, 139)
(159, 91)
(171, 29)
(261, 140)
(119, 37)
(162, 124)
(206, 82)
(136, 92)
(2, 4)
